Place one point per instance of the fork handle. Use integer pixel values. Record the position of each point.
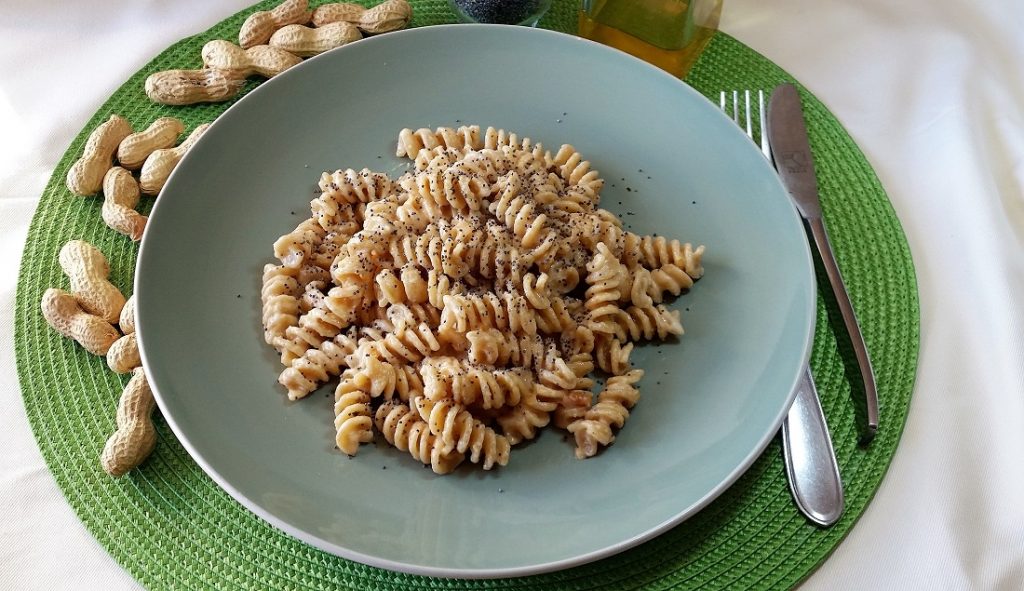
(835, 278)
(811, 466)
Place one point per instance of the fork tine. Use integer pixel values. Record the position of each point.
(751, 118)
(750, 126)
(765, 148)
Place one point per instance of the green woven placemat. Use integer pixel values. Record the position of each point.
(170, 526)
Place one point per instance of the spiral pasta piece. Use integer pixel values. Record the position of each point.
(403, 316)
(280, 303)
(312, 296)
(411, 142)
(352, 415)
(493, 347)
(409, 286)
(439, 246)
(573, 406)
(668, 279)
(533, 412)
(408, 346)
(582, 364)
(451, 189)
(594, 430)
(567, 207)
(564, 277)
(497, 139)
(417, 214)
(343, 188)
(575, 170)
(415, 289)
(448, 377)
(459, 247)
(577, 401)
(490, 346)
(403, 428)
(312, 274)
(488, 163)
(314, 327)
(496, 257)
(384, 380)
(389, 288)
(612, 356)
(658, 251)
(507, 311)
(332, 243)
(368, 314)
(555, 319)
(424, 250)
(295, 248)
(353, 273)
(600, 226)
(439, 285)
(605, 281)
(317, 365)
(580, 340)
(531, 163)
(438, 156)
(647, 323)
(461, 432)
(519, 213)
(640, 289)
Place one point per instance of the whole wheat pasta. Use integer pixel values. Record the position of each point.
(465, 305)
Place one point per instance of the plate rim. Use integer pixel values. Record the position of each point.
(481, 573)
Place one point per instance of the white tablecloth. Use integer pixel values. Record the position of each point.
(931, 90)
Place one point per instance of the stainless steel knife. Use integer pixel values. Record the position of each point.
(787, 135)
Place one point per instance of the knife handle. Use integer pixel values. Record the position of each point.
(835, 278)
(811, 466)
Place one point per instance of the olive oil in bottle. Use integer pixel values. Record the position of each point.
(670, 34)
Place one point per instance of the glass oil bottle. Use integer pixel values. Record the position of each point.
(670, 34)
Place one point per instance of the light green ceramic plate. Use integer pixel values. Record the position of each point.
(675, 166)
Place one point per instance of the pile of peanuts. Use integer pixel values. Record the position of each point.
(269, 43)
(151, 152)
(113, 151)
(95, 313)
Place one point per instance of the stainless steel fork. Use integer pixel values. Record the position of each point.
(811, 466)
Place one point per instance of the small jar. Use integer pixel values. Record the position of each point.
(506, 12)
(670, 34)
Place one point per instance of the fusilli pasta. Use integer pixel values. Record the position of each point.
(461, 432)
(317, 365)
(352, 414)
(280, 303)
(464, 305)
(594, 429)
(404, 429)
(344, 188)
(465, 383)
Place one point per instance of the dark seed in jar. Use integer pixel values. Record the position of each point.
(509, 12)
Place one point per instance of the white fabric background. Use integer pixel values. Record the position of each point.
(931, 90)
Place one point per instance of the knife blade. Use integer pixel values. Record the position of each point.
(787, 136)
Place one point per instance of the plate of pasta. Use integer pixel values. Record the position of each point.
(433, 296)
